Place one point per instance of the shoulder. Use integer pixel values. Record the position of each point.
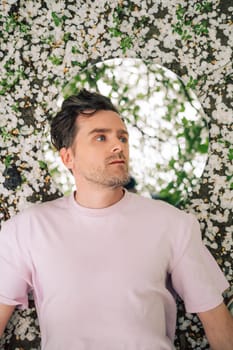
(157, 207)
(160, 216)
(35, 211)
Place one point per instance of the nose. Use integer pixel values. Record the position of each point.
(117, 147)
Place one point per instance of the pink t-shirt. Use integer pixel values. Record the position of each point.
(99, 276)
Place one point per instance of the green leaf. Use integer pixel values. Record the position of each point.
(7, 160)
(56, 19)
(24, 27)
(171, 163)
(192, 83)
(115, 32)
(42, 164)
(75, 50)
(5, 134)
(230, 154)
(15, 107)
(204, 6)
(66, 37)
(180, 12)
(56, 60)
(126, 43)
(203, 148)
(184, 121)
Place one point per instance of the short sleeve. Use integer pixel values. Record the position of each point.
(15, 276)
(196, 277)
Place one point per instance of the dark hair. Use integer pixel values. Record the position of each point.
(131, 184)
(64, 127)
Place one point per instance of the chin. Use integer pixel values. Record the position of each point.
(118, 182)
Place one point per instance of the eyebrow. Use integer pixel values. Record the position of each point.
(106, 130)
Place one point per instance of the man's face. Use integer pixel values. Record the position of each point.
(100, 152)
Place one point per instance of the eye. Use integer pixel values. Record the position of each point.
(123, 139)
(101, 138)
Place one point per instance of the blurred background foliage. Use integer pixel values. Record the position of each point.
(168, 131)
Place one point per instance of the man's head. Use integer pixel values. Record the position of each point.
(92, 140)
(64, 126)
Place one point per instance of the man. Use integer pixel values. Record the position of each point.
(99, 261)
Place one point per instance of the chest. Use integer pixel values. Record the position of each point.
(100, 255)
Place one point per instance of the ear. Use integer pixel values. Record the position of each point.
(67, 157)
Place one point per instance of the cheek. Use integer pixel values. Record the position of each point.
(127, 151)
(86, 159)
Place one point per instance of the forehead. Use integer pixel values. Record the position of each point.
(100, 119)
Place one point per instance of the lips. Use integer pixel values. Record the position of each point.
(117, 161)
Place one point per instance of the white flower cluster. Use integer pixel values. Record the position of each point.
(44, 44)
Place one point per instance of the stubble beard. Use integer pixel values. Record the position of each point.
(103, 178)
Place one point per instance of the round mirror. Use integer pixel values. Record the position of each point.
(168, 133)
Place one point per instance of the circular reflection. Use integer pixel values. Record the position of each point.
(168, 134)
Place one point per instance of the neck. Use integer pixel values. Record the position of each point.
(98, 198)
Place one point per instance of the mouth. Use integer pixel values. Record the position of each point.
(117, 161)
